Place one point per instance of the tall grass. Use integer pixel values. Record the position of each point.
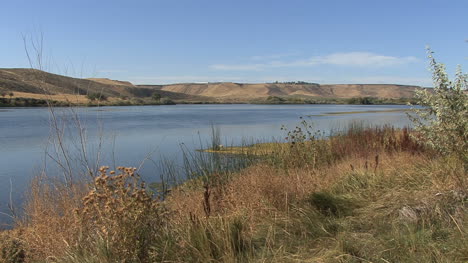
(308, 148)
(368, 194)
(198, 167)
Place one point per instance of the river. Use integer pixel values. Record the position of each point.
(126, 136)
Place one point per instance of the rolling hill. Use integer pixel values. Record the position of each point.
(229, 90)
(34, 83)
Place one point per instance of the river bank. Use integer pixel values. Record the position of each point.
(365, 194)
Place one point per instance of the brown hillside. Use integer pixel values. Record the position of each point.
(112, 82)
(251, 91)
(30, 81)
(370, 90)
(40, 82)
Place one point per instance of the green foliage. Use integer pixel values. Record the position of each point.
(29, 102)
(362, 100)
(216, 138)
(275, 99)
(325, 100)
(96, 96)
(331, 205)
(166, 101)
(378, 101)
(156, 96)
(443, 122)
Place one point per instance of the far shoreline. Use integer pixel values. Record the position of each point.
(42, 103)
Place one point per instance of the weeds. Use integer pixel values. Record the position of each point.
(121, 214)
(11, 250)
(389, 200)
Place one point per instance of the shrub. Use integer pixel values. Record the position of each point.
(121, 214)
(11, 250)
(443, 121)
(166, 101)
(96, 96)
(156, 96)
(275, 99)
(362, 100)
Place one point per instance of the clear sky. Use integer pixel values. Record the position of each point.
(153, 42)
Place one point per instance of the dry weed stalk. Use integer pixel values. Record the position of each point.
(120, 210)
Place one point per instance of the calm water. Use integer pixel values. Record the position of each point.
(131, 133)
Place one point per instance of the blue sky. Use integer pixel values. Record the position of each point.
(154, 42)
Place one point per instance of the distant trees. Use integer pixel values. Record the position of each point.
(162, 100)
(275, 99)
(156, 96)
(166, 101)
(293, 82)
(11, 94)
(96, 96)
(362, 100)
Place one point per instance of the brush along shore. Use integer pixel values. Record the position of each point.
(367, 195)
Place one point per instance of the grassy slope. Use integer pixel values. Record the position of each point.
(366, 196)
(28, 83)
(263, 90)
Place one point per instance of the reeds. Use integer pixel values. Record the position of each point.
(368, 194)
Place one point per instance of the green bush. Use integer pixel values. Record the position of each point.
(156, 96)
(275, 99)
(96, 96)
(363, 100)
(166, 101)
(442, 123)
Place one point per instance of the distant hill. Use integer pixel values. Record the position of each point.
(30, 81)
(112, 82)
(251, 91)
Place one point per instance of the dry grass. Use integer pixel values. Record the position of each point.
(374, 196)
(112, 82)
(403, 193)
(228, 90)
(48, 226)
(79, 99)
(69, 98)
